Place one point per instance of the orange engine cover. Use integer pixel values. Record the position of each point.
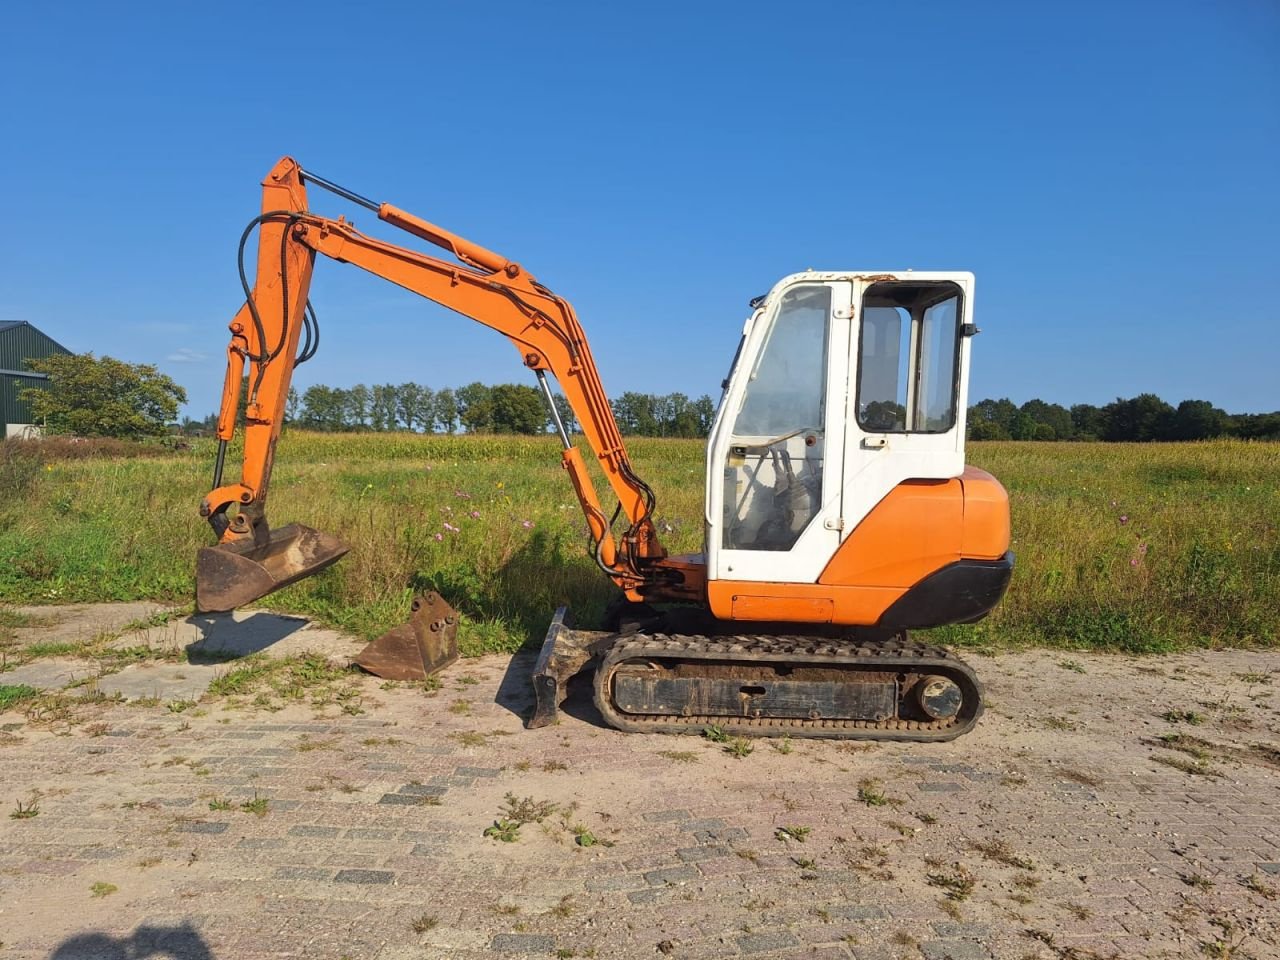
(920, 527)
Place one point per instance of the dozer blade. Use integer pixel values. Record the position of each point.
(233, 574)
(413, 651)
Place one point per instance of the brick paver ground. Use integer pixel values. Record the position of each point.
(1057, 829)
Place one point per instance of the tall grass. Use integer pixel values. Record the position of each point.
(1134, 547)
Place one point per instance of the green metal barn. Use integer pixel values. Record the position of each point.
(20, 342)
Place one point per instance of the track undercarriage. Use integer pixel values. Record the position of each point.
(762, 684)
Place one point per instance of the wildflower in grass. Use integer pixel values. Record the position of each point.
(499, 484)
(1133, 562)
(439, 536)
(1124, 518)
(462, 495)
(451, 528)
(527, 524)
(474, 514)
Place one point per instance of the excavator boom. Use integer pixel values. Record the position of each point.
(252, 560)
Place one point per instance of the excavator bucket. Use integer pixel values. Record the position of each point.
(233, 574)
(413, 651)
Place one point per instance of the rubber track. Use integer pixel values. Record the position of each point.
(896, 656)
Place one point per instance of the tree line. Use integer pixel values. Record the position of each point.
(1142, 418)
(475, 408)
(91, 396)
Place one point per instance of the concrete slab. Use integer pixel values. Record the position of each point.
(81, 622)
(163, 681)
(241, 633)
(49, 674)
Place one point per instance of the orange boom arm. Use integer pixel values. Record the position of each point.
(482, 285)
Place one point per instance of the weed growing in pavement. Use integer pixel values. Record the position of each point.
(424, 924)
(783, 746)
(1079, 911)
(26, 811)
(554, 766)
(504, 829)
(872, 794)
(957, 883)
(101, 889)
(796, 833)
(902, 828)
(739, 748)
(1197, 768)
(749, 855)
(220, 803)
(527, 810)
(1255, 884)
(515, 813)
(998, 851)
(460, 708)
(13, 694)
(1226, 946)
(804, 863)
(928, 819)
(1197, 880)
(679, 756)
(715, 734)
(257, 806)
(1075, 666)
(475, 738)
(564, 909)
(1183, 716)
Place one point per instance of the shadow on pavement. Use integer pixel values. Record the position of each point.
(176, 943)
(223, 637)
(515, 692)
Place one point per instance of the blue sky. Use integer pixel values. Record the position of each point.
(1108, 170)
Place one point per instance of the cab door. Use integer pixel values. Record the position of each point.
(776, 454)
(908, 385)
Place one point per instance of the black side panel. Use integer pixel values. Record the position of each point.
(961, 592)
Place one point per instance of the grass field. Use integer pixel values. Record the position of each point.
(1142, 547)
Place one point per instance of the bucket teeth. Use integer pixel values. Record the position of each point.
(233, 574)
(415, 650)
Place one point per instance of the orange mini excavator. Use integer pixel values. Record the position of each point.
(839, 510)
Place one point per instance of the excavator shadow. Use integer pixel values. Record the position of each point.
(227, 636)
(515, 693)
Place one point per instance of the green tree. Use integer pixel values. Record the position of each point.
(1087, 422)
(444, 410)
(475, 407)
(1052, 415)
(408, 399)
(704, 409)
(1143, 418)
(382, 406)
(517, 408)
(103, 397)
(356, 408)
(635, 414)
(1199, 420)
(322, 408)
